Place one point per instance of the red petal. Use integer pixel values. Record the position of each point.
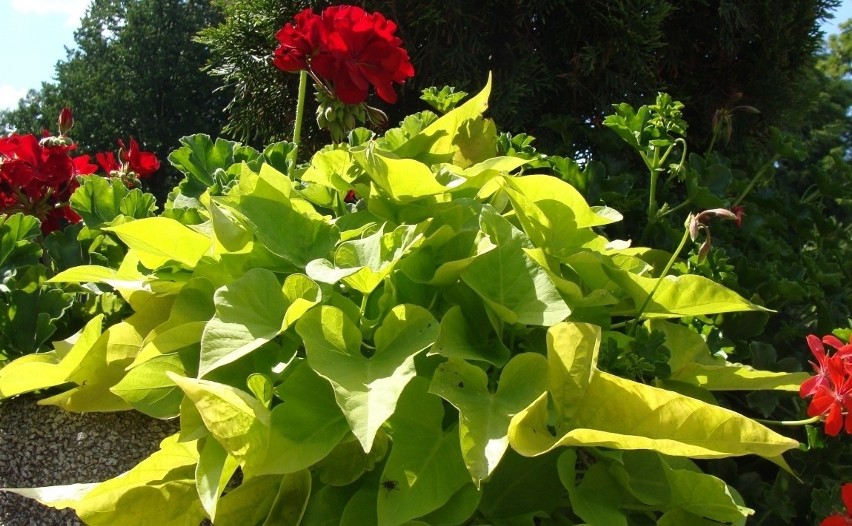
(846, 494)
(834, 422)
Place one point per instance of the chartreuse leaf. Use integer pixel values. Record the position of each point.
(347, 462)
(330, 168)
(326, 505)
(467, 181)
(41, 371)
(441, 140)
(235, 419)
(509, 281)
(192, 309)
(572, 352)
(643, 417)
(105, 363)
(159, 490)
(289, 228)
(484, 416)
(214, 469)
(251, 311)
(371, 258)
(691, 362)
(425, 467)
(158, 240)
(551, 211)
(402, 180)
(465, 339)
(658, 482)
(366, 384)
(676, 296)
(598, 497)
(266, 501)
(149, 390)
(521, 489)
(306, 426)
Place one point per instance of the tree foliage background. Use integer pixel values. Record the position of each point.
(558, 67)
(135, 71)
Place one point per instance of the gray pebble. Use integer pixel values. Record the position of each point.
(46, 446)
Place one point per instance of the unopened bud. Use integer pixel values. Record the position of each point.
(66, 121)
(377, 117)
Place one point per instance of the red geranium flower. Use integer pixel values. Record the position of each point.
(135, 164)
(107, 162)
(842, 350)
(839, 519)
(349, 48)
(143, 163)
(833, 398)
(38, 178)
(298, 42)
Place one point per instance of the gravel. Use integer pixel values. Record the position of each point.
(46, 446)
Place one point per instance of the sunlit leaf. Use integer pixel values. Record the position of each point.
(484, 416)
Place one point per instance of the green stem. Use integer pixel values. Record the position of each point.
(661, 278)
(755, 179)
(812, 420)
(652, 197)
(300, 111)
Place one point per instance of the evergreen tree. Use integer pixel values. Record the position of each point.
(558, 65)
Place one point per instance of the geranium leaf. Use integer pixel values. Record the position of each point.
(366, 388)
(18, 247)
(484, 417)
(425, 467)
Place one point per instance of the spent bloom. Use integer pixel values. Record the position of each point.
(347, 50)
(831, 388)
(697, 223)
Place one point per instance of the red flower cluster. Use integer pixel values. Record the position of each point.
(831, 388)
(135, 164)
(38, 178)
(349, 48)
(838, 519)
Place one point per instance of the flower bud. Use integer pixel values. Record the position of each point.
(377, 117)
(66, 121)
